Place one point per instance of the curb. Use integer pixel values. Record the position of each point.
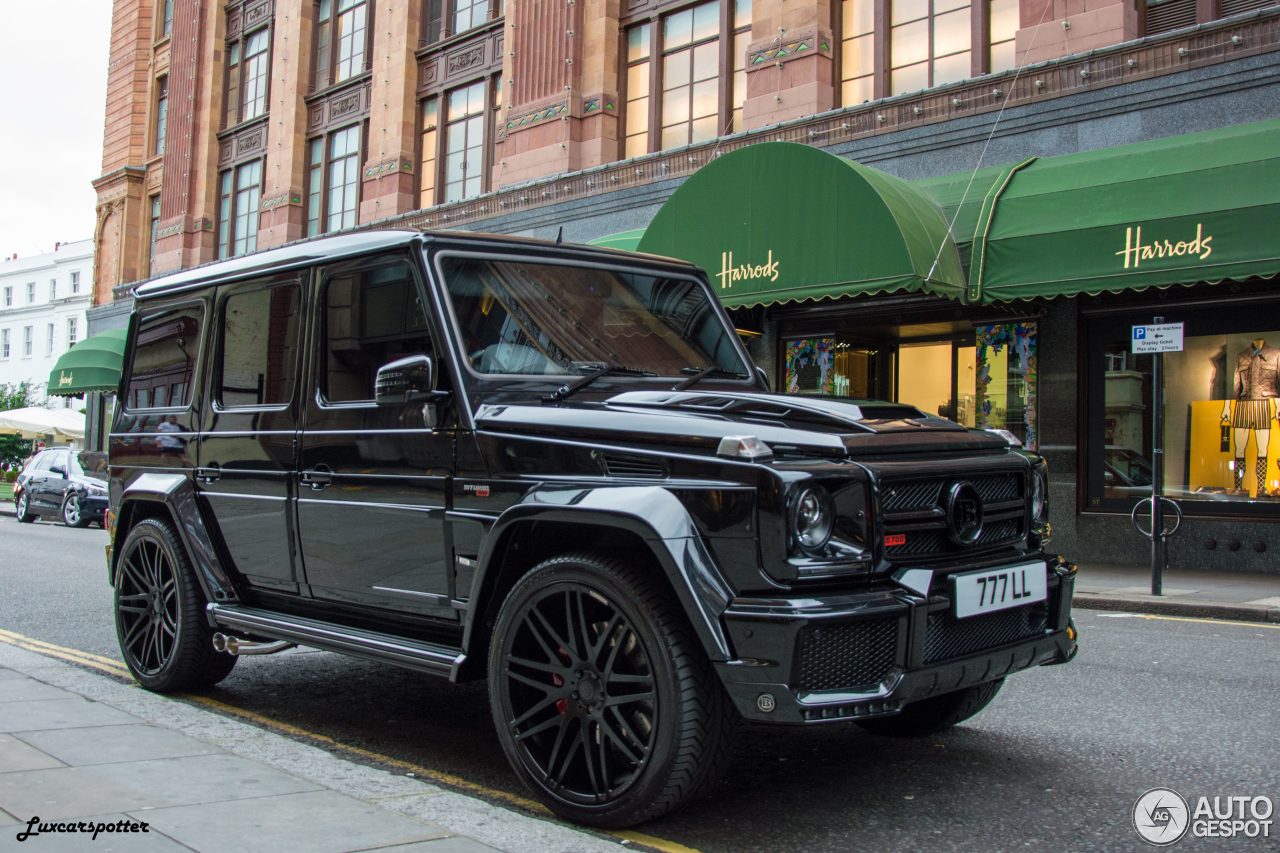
(1175, 607)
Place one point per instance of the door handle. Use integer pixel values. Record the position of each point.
(317, 478)
(210, 474)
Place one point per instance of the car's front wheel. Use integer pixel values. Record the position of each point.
(604, 701)
(159, 610)
(932, 715)
(23, 509)
(72, 514)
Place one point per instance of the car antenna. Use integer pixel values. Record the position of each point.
(560, 236)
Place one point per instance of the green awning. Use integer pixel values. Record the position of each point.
(1181, 210)
(625, 240)
(91, 365)
(781, 222)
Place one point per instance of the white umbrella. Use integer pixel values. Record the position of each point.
(35, 421)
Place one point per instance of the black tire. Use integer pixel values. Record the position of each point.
(72, 516)
(932, 715)
(605, 703)
(23, 509)
(159, 613)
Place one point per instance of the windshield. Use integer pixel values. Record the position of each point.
(524, 318)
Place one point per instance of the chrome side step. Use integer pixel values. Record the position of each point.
(372, 645)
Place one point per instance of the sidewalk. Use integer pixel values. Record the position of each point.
(79, 749)
(1248, 597)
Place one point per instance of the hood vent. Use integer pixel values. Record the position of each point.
(622, 465)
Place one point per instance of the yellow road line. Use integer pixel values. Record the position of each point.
(113, 667)
(1234, 622)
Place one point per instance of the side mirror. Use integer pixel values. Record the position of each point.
(59, 470)
(405, 380)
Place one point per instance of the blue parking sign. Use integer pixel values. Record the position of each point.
(1139, 332)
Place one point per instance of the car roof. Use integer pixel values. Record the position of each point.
(304, 252)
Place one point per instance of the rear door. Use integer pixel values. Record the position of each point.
(248, 448)
(44, 479)
(373, 480)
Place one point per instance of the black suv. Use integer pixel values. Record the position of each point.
(556, 468)
(62, 483)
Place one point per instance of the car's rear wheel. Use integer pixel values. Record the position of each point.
(72, 515)
(164, 638)
(604, 701)
(932, 715)
(23, 509)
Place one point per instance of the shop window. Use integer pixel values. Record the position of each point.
(342, 40)
(239, 191)
(676, 93)
(1005, 381)
(1221, 404)
(333, 181)
(248, 69)
(162, 114)
(259, 347)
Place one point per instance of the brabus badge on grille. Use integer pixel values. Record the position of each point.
(964, 513)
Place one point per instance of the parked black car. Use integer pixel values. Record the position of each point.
(62, 483)
(555, 467)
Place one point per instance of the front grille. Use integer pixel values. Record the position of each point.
(948, 637)
(847, 656)
(916, 509)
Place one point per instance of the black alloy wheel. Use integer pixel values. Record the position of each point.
(72, 516)
(160, 624)
(604, 702)
(23, 509)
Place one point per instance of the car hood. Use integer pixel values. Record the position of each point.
(821, 426)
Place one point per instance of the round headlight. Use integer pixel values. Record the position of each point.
(813, 518)
(1039, 488)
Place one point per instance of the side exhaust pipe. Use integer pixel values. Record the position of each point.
(228, 644)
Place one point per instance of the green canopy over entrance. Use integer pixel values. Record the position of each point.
(91, 365)
(780, 222)
(1198, 207)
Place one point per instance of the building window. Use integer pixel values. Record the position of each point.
(71, 332)
(155, 230)
(162, 113)
(333, 181)
(166, 19)
(929, 44)
(53, 289)
(1003, 27)
(342, 40)
(4, 343)
(464, 153)
(858, 51)
(8, 296)
(675, 91)
(429, 140)
(239, 191)
(469, 13)
(48, 345)
(75, 282)
(26, 340)
(248, 69)
(31, 292)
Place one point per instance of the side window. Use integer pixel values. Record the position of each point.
(372, 315)
(164, 358)
(43, 461)
(259, 346)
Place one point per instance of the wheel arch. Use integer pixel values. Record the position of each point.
(648, 524)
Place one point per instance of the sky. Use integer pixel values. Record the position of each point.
(53, 61)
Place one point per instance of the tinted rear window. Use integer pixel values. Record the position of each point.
(164, 358)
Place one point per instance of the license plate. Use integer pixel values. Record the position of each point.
(990, 590)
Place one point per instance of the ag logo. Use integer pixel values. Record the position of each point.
(1161, 816)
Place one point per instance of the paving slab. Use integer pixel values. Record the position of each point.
(452, 844)
(98, 789)
(6, 674)
(83, 842)
(16, 756)
(30, 690)
(74, 713)
(111, 744)
(315, 822)
(1269, 601)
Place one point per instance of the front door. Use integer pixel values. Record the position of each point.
(247, 463)
(373, 479)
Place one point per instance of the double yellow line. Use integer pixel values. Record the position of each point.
(448, 780)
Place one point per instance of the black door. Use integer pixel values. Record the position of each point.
(373, 479)
(248, 434)
(48, 482)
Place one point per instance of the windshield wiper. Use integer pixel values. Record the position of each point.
(701, 373)
(570, 388)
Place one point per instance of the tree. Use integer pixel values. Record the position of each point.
(15, 448)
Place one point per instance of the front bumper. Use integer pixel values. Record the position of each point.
(94, 508)
(823, 658)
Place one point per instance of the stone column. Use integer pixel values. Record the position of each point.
(282, 213)
(388, 173)
(790, 71)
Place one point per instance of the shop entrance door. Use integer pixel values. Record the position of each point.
(938, 378)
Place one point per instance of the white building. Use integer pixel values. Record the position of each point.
(43, 305)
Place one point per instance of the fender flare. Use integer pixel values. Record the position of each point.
(177, 494)
(650, 512)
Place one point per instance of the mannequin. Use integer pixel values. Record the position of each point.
(1257, 387)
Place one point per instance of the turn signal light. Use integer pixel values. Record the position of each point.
(1071, 633)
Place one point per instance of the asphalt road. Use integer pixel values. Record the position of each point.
(1056, 762)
